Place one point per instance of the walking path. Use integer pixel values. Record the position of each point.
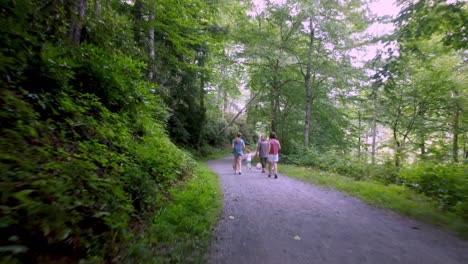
(284, 220)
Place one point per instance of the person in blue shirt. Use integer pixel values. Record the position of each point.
(238, 146)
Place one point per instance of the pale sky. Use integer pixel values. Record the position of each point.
(380, 8)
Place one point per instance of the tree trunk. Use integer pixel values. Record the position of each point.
(359, 135)
(77, 14)
(275, 97)
(465, 150)
(374, 122)
(308, 89)
(422, 146)
(201, 65)
(456, 124)
(397, 154)
(97, 8)
(137, 13)
(151, 70)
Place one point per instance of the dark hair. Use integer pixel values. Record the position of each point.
(239, 135)
(273, 135)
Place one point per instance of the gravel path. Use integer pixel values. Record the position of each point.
(283, 220)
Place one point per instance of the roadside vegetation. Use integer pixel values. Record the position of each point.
(181, 231)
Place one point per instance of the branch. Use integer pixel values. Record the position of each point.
(238, 114)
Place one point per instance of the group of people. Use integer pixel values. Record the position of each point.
(267, 151)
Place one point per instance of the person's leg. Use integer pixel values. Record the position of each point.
(270, 165)
(275, 169)
(263, 162)
(239, 164)
(234, 162)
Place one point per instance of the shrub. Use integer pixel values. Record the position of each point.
(446, 183)
(81, 165)
(327, 161)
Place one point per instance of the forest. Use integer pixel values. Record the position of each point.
(105, 105)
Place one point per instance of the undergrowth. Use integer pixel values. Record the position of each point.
(181, 230)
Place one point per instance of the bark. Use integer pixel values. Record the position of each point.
(465, 150)
(201, 64)
(137, 12)
(97, 8)
(275, 96)
(456, 124)
(359, 135)
(151, 49)
(78, 12)
(308, 89)
(397, 149)
(422, 146)
(374, 123)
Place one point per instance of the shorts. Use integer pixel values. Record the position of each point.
(263, 161)
(273, 157)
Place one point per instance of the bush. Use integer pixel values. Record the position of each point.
(81, 165)
(385, 172)
(327, 161)
(446, 183)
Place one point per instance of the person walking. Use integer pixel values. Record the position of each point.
(274, 147)
(248, 159)
(262, 151)
(238, 146)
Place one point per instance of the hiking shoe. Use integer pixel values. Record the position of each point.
(276, 176)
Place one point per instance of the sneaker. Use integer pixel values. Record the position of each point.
(276, 176)
(269, 175)
(263, 171)
(240, 173)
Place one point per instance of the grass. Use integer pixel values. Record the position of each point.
(393, 197)
(181, 232)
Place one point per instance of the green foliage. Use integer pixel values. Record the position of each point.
(211, 135)
(181, 231)
(384, 172)
(422, 19)
(84, 156)
(331, 161)
(446, 183)
(78, 184)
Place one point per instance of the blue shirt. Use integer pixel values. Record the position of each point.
(238, 146)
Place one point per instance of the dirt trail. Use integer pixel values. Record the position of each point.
(284, 220)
